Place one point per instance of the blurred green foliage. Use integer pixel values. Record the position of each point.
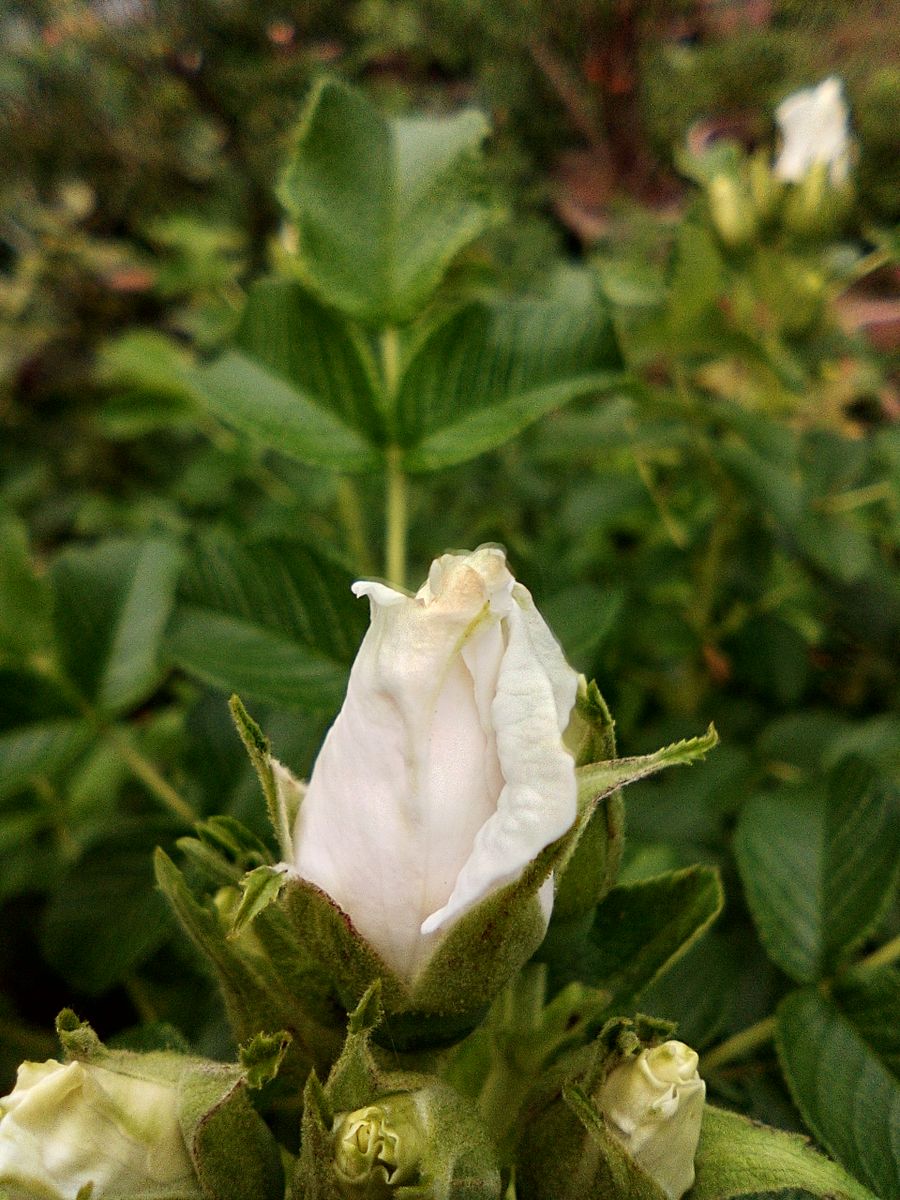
(714, 538)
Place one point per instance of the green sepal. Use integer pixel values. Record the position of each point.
(566, 1151)
(77, 1038)
(594, 865)
(267, 983)
(259, 751)
(591, 868)
(231, 1147)
(739, 1157)
(259, 888)
(590, 735)
(262, 1056)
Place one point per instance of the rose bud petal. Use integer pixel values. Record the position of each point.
(815, 129)
(65, 1126)
(653, 1104)
(445, 772)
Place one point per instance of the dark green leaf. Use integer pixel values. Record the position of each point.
(40, 731)
(105, 914)
(637, 931)
(819, 870)
(273, 620)
(847, 1092)
(489, 370)
(112, 602)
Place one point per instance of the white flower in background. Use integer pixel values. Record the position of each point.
(815, 129)
(65, 1126)
(445, 772)
(653, 1103)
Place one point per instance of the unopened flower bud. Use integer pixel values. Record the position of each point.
(653, 1104)
(377, 1147)
(815, 129)
(73, 1126)
(445, 773)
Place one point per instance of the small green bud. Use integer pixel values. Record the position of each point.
(817, 206)
(766, 189)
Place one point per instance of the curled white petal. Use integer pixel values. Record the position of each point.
(534, 696)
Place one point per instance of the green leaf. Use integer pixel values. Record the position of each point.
(818, 871)
(298, 381)
(301, 380)
(843, 1083)
(491, 369)
(637, 931)
(24, 597)
(738, 1157)
(870, 999)
(231, 1148)
(382, 205)
(105, 915)
(272, 620)
(112, 602)
(40, 732)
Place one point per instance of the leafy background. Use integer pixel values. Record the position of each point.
(707, 510)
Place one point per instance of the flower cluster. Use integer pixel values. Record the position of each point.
(467, 778)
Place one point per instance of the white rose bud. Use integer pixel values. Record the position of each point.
(653, 1103)
(65, 1126)
(815, 128)
(445, 772)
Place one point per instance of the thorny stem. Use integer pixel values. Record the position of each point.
(754, 1036)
